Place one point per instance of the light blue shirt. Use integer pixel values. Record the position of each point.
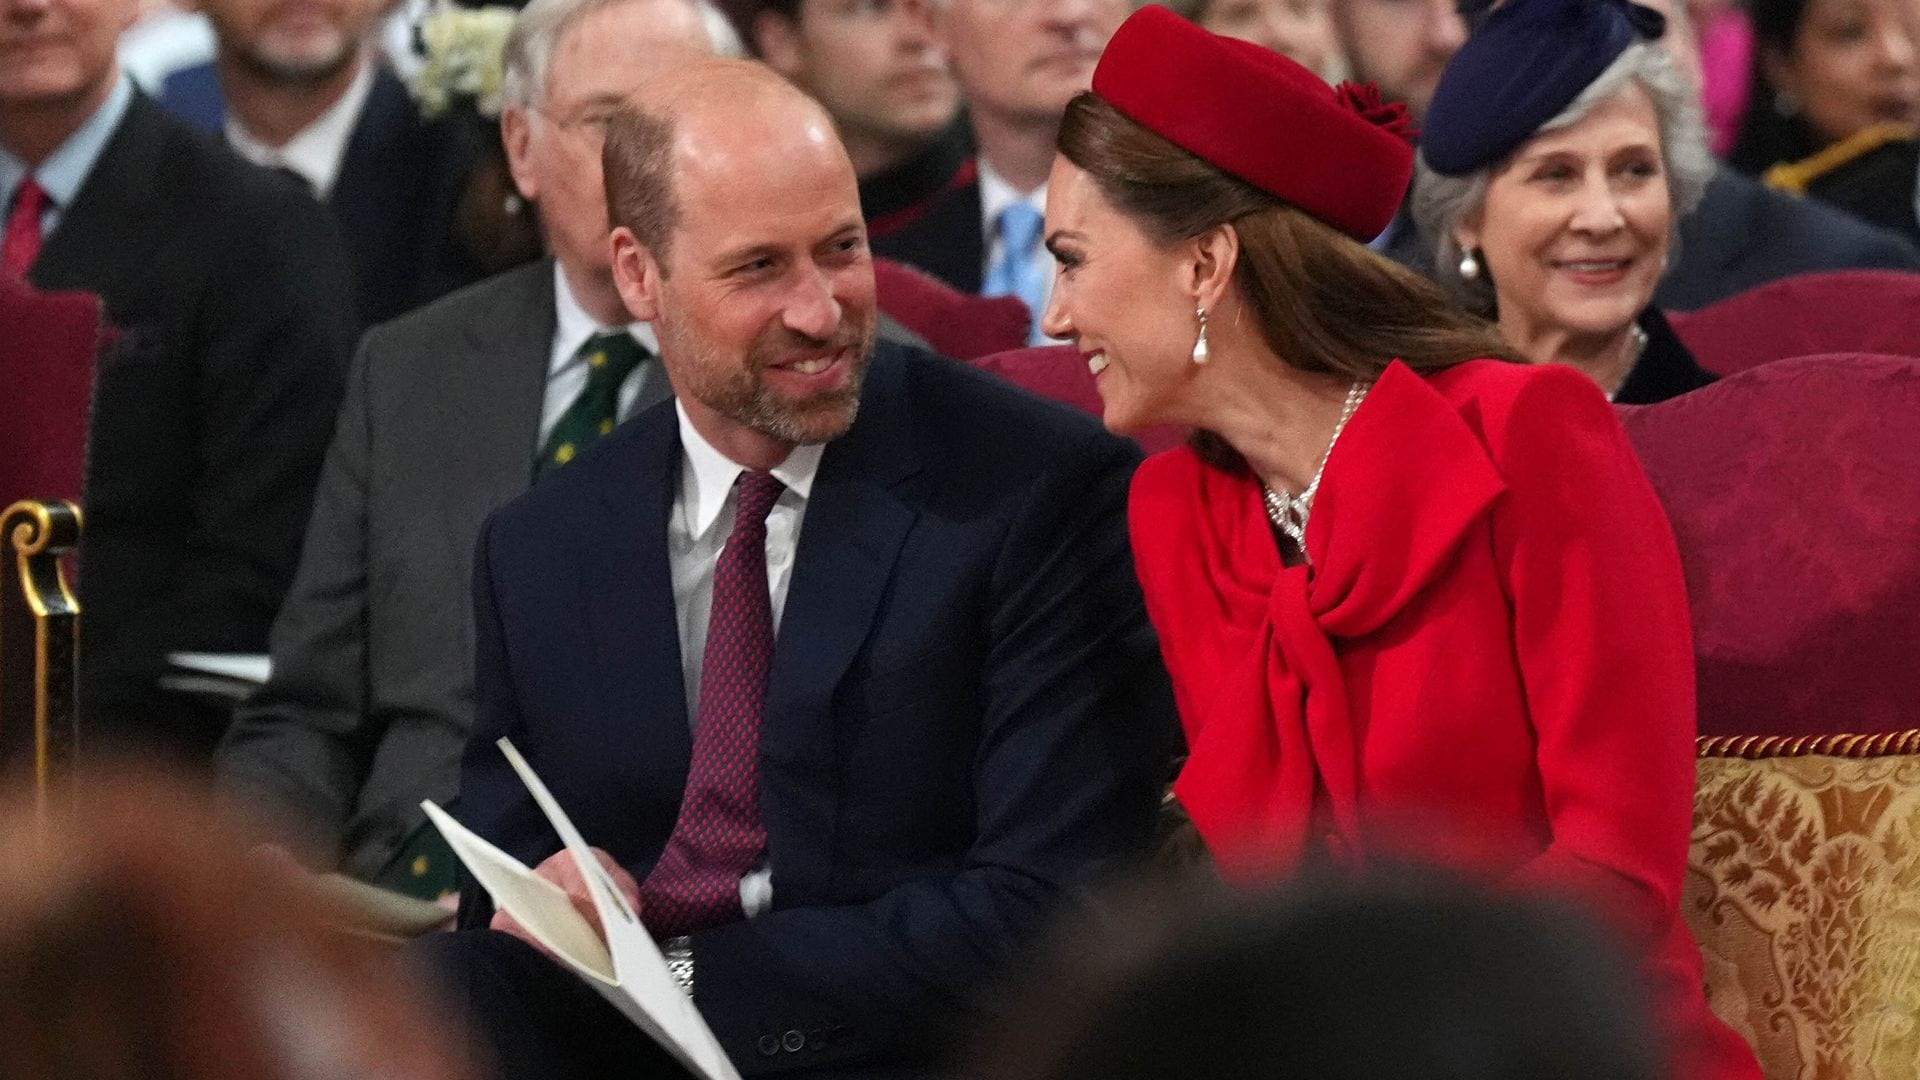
(68, 167)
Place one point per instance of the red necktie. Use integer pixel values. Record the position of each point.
(719, 837)
(23, 238)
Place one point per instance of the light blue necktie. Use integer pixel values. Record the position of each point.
(1021, 270)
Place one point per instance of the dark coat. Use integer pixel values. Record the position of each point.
(1744, 234)
(1666, 368)
(965, 719)
(211, 418)
(927, 212)
(395, 198)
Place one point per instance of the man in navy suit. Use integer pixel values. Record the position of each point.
(301, 88)
(840, 656)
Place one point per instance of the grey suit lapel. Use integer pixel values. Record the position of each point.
(492, 385)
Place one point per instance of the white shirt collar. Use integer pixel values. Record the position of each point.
(710, 474)
(573, 326)
(320, 148)
(997, 193)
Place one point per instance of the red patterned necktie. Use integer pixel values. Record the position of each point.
(719, 837)
(23, 238)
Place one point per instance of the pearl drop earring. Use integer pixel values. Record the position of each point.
(1469, 264)
(1200, 352)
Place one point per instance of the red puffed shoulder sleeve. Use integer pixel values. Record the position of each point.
(1604, 644)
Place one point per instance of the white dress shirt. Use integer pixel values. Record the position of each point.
(697, 531)
(317, 152)
(996, 194)
(567, 369)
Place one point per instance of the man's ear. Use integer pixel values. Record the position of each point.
(636, 273)
(1215, 254)
(776, 40)
(516, 136)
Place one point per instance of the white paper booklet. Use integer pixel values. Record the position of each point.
(626, 968)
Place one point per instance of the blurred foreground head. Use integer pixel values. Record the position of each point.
(140, 939)
(1409, 975)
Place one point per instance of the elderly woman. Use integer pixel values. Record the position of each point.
(1413, 596)
(1301, 30)
(1560, 151)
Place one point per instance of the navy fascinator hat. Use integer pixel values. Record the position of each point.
(1527, 61)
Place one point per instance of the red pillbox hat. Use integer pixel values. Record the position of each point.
(1339, 154)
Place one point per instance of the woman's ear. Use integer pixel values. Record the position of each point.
(1216, 253)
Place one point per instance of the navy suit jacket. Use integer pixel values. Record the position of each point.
(966, 716)
(395, 199)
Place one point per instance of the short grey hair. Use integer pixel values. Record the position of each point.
(1442, 203)
(542, 23)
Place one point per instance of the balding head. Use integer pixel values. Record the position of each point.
(711, 121)
(738, 235)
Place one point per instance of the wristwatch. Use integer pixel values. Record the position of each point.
(678, 952)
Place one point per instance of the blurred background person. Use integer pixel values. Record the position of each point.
(879, 67)
(1401, 46)
(456, 407)
(1395, 976)
(1389, 540)
(305, 89)
(138, 941)
(235, 304)
(1836, 97)
(1553, 199)
(1301, 30)
(1018, 62)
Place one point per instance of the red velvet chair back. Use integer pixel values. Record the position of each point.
(1866, 311)
(1794, 491)
(49, 343)
(1059, 372)
(955, 323)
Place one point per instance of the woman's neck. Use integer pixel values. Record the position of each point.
(1605, 358)
(1281, 419)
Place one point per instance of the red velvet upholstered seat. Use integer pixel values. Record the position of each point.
(955, 323)
(1794, 491)
(1871, 311)
(48, 346)
(1059, 372)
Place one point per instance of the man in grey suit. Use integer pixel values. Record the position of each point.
(450, 412)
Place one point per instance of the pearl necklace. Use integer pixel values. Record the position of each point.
(1288, 511)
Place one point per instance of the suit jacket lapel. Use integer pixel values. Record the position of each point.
(105, 233)
(491, 384)
(855, 526)
(628, 600)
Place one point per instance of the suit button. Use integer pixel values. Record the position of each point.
(793, 1042)
(769, 1045)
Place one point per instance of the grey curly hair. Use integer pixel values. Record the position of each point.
(1441, 203)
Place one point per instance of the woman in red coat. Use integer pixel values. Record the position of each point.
(1412, 595)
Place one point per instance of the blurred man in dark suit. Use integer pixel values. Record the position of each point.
(841, 655)
(451, 411)
(210, 420)
(1018, 62)
(301, 87)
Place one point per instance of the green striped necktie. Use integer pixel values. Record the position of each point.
(611, 357)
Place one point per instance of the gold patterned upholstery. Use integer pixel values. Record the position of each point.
(1803, 889)
(39, 641)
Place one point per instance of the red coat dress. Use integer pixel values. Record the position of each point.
(1487, 660)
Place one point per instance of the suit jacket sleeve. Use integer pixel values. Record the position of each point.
(268, 384)
(1076, 731)
(301, 744)
(1605, 651)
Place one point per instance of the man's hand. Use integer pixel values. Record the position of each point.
(561, 869)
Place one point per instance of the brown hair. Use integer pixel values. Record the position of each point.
(1325, 303)
(637, 163)
(139, 941)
